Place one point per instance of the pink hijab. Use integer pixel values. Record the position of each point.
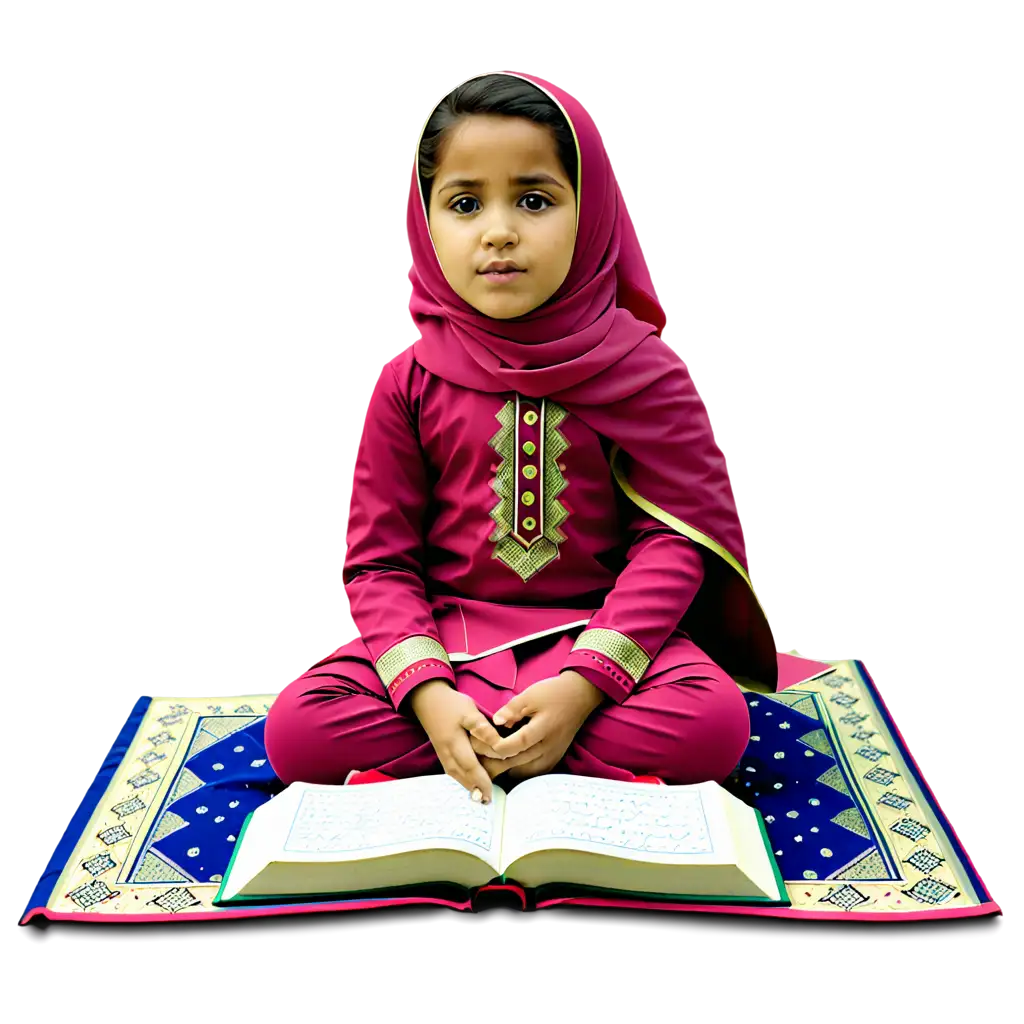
(595, 348)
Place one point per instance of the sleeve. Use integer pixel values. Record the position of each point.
(663, 573)
(383, 571)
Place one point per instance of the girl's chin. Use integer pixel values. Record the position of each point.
(506, 310)
(496, 313)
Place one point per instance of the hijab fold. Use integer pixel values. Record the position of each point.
(595, 348)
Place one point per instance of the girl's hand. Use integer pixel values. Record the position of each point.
(556, 709)
(450, 719)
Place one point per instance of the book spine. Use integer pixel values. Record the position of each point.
(480, 901)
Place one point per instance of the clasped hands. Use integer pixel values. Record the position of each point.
(472, 750)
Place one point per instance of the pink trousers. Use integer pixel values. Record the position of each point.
(686, 721)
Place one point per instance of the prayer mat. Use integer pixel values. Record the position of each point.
(855, 830)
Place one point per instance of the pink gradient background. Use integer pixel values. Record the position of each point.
(200, 265)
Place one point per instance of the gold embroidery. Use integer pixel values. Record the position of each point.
(503, 484)
(529, 472)
(617, 646)
(852, 819)
(528, 557)
(868, 867)
(528, 498)
(833, 778)
(397, 659)
(529, 417)
(529, 447)
(552, 481)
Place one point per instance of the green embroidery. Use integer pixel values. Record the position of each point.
(555, 446)
(503, 443)
(528, 558)
(851, 819)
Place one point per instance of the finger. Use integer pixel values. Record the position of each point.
(509, 746)
(483, 749)
(486, 749)
(455, 766)
(505, 763)
(475, 780)
(473, 774)
(532, 767)
(478, 726)
(494, 766)
(515, 709)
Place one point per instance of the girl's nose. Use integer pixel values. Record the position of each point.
(498, 231)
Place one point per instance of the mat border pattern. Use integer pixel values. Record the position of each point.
(85, 877)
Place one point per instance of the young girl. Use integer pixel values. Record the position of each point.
(539, 506)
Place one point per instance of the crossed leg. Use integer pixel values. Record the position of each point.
(687, 722)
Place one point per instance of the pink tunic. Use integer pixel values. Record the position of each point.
(489, 545)
(479, 520)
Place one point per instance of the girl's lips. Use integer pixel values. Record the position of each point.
(503, 275)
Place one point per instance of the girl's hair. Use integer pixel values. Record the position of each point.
(494, 94)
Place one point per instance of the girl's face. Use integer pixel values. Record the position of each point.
(501, 193)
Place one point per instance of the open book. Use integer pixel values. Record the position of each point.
(556, 833)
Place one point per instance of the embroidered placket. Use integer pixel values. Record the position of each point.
(528, 523)
(528, 481)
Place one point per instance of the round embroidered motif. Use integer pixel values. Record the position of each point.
(528, 498)
(530, 417)
(529, 472)
(529, 447)
(529, 523)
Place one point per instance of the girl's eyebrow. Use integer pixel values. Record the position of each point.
(523, 179)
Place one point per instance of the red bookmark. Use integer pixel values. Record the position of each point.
(356, 778)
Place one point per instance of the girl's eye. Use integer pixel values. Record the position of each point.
(537, 195)
(529, 195)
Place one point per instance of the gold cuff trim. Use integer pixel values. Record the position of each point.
(395, 660)
(677, 524)
(617, 646)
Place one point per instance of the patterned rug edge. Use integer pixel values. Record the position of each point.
(40, 913)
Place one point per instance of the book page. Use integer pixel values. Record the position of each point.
(425, 812)
(659, 824)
